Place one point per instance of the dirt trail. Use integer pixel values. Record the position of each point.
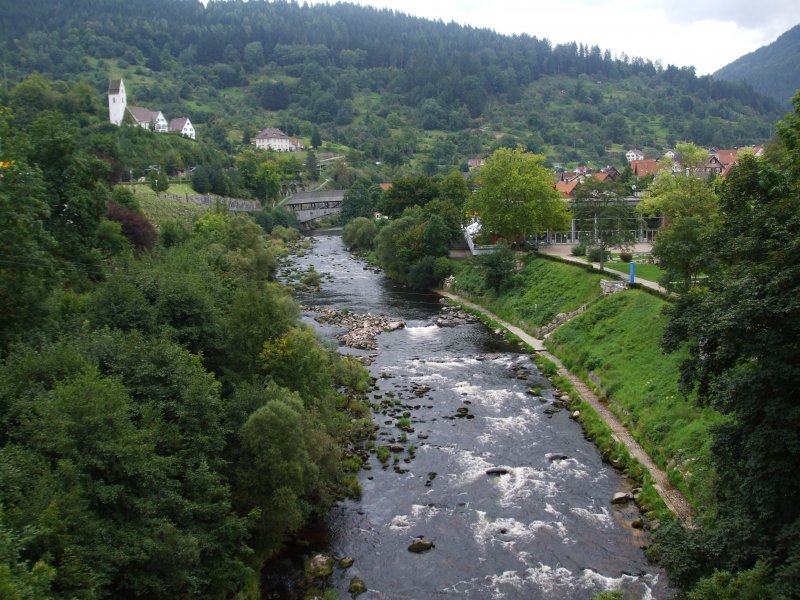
(672, 497)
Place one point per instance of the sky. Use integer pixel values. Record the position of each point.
(703, 34)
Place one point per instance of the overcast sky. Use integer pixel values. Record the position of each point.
(707, 35)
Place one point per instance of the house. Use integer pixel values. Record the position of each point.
(670, 154)
(644, 167)
(567, 188)
(272, 138)
(297, 143)
(726, 157)
(117, 102)
(612, 172)
(474, 163)
(713, 166)
(569, 176)
(182, 126)
(149, 119)
(154, 120)
(634, 154)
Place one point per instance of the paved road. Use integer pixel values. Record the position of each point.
(672, 497)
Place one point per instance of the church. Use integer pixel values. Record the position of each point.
(118, 108)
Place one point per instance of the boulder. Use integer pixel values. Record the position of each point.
(357, 586)
(497, 471)
(320, 565)
(418, 546)
(621, 498)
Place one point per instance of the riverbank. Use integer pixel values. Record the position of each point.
(674, 500)
(613, 346)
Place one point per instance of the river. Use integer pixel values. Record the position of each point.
(544, 529)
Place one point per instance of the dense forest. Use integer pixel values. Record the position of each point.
(166, 421)
(390, 88)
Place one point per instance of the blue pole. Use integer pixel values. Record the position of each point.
(633, 277)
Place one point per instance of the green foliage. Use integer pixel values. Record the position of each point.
(602, 209)
(752, 584)
(545, 288)
(360, 233)
(361, 200)
(498, 268)
(516, 197)
(597, 254)
(742, 328)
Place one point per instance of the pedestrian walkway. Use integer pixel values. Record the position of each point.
(672, 497)
(564, 252)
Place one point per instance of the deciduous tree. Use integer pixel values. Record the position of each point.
(516, 197)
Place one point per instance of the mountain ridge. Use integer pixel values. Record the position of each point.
(772, 70)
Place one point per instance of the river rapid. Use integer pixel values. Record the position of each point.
(544, 529)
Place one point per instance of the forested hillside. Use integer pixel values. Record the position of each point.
(392, 88)
(772, 70)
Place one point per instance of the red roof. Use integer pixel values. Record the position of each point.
(647, 166)
(566, 188)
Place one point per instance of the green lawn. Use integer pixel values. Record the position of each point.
(543, 289)
(647, 271)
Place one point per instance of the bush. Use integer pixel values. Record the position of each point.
(597, 254)
(420, 275)
(135, 226)
(625, 257)
(360, 233)
(578, 249)
(442, 269)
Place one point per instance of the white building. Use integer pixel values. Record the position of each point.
(274, 139)
(182, 126)
(153, 120)
(117, 101)
(634, 154)
(149, 119)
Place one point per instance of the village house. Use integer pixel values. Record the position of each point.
(634, 154)
(154, 120)
(273, 138)
(644, 167)
(474, 163)
(182, 126)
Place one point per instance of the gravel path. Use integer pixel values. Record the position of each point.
(672, 497)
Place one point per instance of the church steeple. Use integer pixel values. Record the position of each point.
(117, 102)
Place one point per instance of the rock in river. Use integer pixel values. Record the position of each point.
(418, 546)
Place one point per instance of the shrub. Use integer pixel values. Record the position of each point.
(597, 254)
(135, 226)
(442, 269)
(578, 249)
(625, 257)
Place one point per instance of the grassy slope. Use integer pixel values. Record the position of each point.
(616, 344)
(159, 210)
(617, 341)
(546, 288)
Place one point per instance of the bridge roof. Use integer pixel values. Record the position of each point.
(326, 196)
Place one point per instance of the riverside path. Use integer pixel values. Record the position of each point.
(672, 497)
